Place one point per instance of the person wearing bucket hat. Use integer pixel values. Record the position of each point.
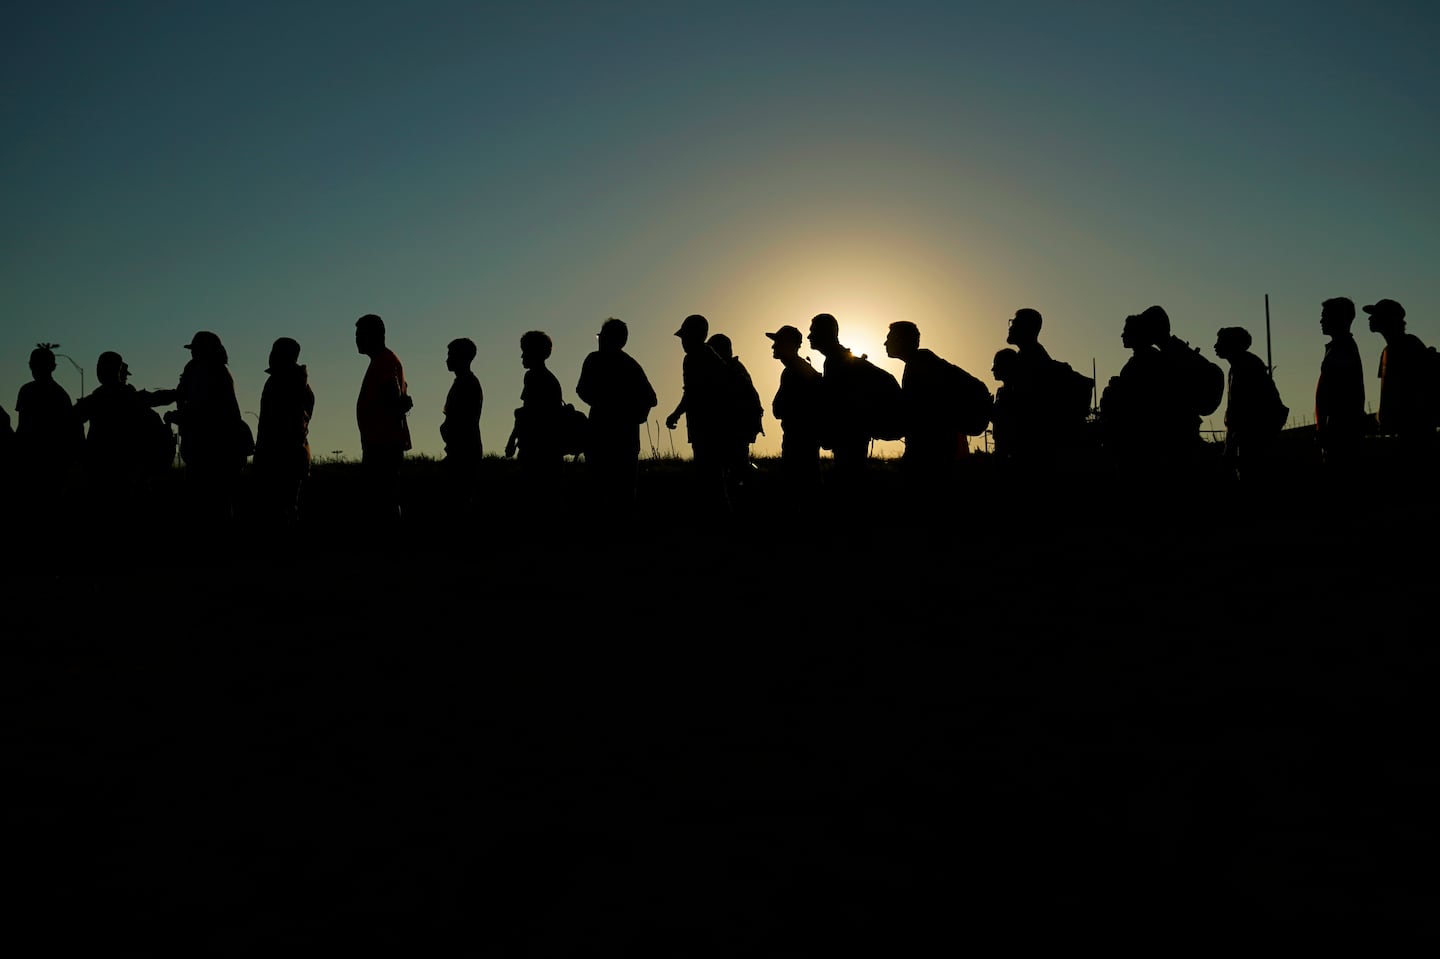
(215, 440)
(797, 407)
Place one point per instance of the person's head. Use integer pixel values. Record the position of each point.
(824, 332)
(206, 347)
(785, 342)
(284, 353)
(1155, 323)
(613, 335)
(1003, 366)
(722, 346)
(42, 363)
(459, 354)
(902, 340)
(693, 330)
(108, 368)
(1231, 341)
(1136, 334)
(1024, 327)
(535, 349)
(369, 334)
(1386, 317)
(1336, 315)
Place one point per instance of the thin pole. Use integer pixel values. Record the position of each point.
(1268, 364)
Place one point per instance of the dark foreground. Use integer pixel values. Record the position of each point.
(782, 735)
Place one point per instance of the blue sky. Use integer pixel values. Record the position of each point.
(481, 169)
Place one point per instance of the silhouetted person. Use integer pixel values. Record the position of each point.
(1405, 412)
(127, 444)
(1057, 397)
(1254, 413)
(282, 442)
(845, 431)
(1341, 422)
(1024, 334)
(536, 434)
(7, 456)
(215, 441)
(380, 411)
(1188, 401)
(1150, 409)
(798, 406)
(1133, 405)
(48, 437)
(460, 429)
(614, 385)
(933, 440)
(704, 404)
(1011, 416)
(744, 413)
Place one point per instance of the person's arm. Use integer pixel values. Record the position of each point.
(514, 440)
(673, 420)
(584, 387)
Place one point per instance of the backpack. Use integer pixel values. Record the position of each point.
(1432, 384)
(882, 401)
(574, 430)
(1071, 392)
(745, 408)
(1280, 413)
(1202, 382)
(971, 403)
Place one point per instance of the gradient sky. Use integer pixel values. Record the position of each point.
(266, 169)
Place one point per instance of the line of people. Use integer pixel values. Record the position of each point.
(1043, 415)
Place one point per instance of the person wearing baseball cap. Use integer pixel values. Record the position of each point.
(703, 404)
(1407, 388)
(797, 408)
